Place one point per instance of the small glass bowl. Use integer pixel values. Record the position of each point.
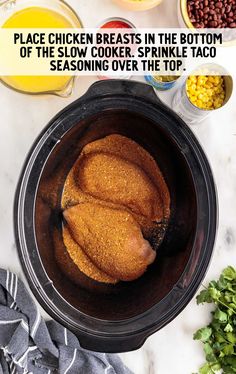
(138, 5)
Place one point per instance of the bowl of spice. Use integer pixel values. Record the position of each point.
(138, 5)
(207, 13)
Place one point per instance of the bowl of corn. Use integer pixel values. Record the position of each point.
(206, 91)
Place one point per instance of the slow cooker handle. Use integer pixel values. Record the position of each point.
(122, 87)
(111, 344)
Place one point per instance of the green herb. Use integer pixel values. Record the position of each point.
(219, 337)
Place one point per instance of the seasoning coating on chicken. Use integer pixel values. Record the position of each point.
(114, 194)
(111, 238)
(138, 159)
(82, 261)
(113, 179)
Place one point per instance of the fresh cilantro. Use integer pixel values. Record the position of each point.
(219, 337)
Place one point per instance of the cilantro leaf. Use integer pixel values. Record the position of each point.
(228, 328)
(229, 273)
(214, 293)
(204, 297)
(221, 316)
(228, 350)
(203, 334)
(231, 337)
(206, 369)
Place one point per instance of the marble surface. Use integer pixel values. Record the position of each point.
(171, 350)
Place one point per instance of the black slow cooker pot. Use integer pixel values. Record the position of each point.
(117, 318)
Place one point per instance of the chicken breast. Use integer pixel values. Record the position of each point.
(82, 261)
(111, 238)
(113, 179)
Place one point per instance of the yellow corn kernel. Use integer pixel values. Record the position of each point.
(193, 78)
(219, 89)
(199, 103)
(209, 92)
(209, 85)
(192, 98)
(200, 96)
(212, 79)
(199, 82)
(192, 91)
(217, 80)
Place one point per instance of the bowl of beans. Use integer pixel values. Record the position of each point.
(207, 13)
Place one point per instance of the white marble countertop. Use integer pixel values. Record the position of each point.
(171, 350)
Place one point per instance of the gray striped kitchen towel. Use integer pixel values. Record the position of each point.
(29, 345)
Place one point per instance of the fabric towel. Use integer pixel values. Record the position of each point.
(29, 345)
